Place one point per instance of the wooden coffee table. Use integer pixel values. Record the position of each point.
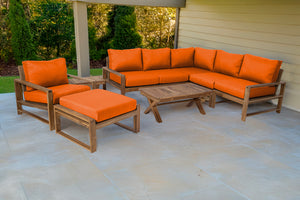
(175, 93)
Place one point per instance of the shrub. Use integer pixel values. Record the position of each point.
(21, 37)
(125, 33)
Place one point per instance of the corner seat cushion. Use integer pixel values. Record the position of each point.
(204, 58)
(228, 63)
(182, 57)
(45, 73)
(259, 69)
(156, 58)
(125, 60)
(236, 87)
(170, 75)
(99, 104)
(58, 92)
(207, 78)
(136, 78)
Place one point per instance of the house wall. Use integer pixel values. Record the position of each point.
(268, 28)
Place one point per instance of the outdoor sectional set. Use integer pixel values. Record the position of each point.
(245, 79)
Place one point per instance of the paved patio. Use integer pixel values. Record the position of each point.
(188, 156)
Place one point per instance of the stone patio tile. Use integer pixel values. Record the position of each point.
(176, 178)
(256, 175)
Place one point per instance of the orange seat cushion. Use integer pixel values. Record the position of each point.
(260, 69)
(99, 104)
(204, 58)
(125, 60)
(46, 73)
(170, 75)
(136, 78)
(58, 91)
(190, 70)
(182, 57)
(156, 58)
(236, 87)
(228, 63)
(207, 78)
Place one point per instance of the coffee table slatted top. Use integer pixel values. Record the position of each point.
(175, 92)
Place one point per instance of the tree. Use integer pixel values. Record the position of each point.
(156, 25)
(5, 34)
(54, 27)
(21, 37)
(125, 33)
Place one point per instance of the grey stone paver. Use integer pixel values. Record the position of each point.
(188, 156)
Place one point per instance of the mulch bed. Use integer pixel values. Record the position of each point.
(11, 69)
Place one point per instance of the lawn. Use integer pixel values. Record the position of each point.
(7, 82)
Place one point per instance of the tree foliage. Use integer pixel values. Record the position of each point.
(157, 26)
(125, 33)
(53, 27)
(21, 37)
(5, 34)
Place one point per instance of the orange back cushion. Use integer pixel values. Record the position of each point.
(182, 57)
(259, 69)
(156, 58)
(228, 63)
(204, 58)
(46, 73)
(125, 60)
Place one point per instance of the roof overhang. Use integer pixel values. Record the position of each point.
(156, 3)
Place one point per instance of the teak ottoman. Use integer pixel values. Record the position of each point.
(95, 109)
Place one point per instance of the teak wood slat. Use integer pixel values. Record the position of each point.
(92, 125)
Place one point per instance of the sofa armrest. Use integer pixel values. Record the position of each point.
(276, 84)
(107, 71)
(266, 85)
(32, 85)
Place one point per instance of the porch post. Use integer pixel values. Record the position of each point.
(176, 28)
(81, 38)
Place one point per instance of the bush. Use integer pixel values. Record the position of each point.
(54, 28)
(21, 37)
(125, 33)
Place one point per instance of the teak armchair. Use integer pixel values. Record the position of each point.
(41, 84)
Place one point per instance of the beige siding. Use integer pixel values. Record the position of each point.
(268, 28)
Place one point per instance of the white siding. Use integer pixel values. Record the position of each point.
(267, 28)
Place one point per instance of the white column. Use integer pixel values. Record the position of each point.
(81, 38)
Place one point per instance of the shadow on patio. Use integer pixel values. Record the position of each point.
(188, 156)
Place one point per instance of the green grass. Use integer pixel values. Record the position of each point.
(7, 82)
(93, 72)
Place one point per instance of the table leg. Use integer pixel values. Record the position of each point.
(190, 103)
(212, 100)
(199, 105)
(153, 107)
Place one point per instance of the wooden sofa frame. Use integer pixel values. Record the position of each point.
(246, 101)
(20, 87)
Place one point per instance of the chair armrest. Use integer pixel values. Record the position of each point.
(32, 85)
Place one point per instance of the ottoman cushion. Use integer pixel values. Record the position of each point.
(99, 104)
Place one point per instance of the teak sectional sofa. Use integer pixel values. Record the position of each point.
(244, 79)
